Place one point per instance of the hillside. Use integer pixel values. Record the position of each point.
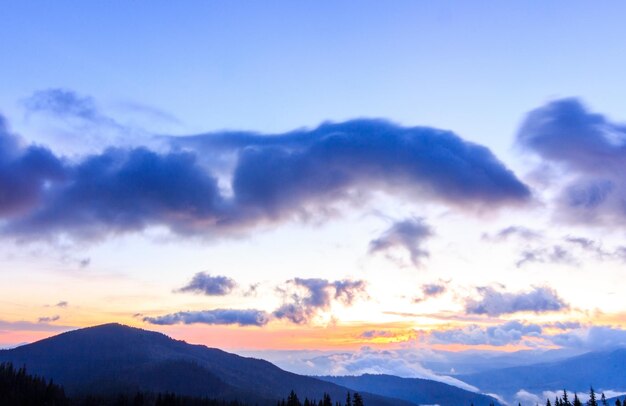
(603, 369)
(418, 391)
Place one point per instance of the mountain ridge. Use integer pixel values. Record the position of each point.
(116, 357)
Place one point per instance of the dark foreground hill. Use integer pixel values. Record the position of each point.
(113, 358)
(603, 369)
(418, 391)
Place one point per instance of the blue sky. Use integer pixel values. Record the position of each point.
(445, 218)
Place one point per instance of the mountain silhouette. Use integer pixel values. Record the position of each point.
(115, 358)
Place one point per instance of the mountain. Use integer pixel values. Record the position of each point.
(113, 357)
(418, 391)
(603, 369)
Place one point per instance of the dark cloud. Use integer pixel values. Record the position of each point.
(126, 190)
(409, 235)
(209, 285)
(495, 303)
(511, 332)
(48, 319)
(592, 151)
(62, 303)
(305, 298)
(245, 317)
(25, 173)
(273, 178)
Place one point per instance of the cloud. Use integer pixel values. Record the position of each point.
(31, 326)
(122, 191)
(506, 233)
(512, 332)
(25, 172)
(591, 338)
(495, 303)
(591, 151)
(63, 103)
(431, 290)
(245, 317)
(305, 298)
(48, 319)
(409, 234)
(209, 285)
(371, 361)
(273, 178)
(553, 255)
(376, 333)
(62, 303)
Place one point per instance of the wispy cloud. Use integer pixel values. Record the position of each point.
(409, 235)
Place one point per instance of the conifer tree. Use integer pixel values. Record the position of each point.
(577, 401)
(548, 402)
(592, 398)
(348, 399)
(565, 401)
(357, 400)
(603, 400)
(617, 402)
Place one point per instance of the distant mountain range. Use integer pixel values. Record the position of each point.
(113, 357)
(603, 369)
(414, 390)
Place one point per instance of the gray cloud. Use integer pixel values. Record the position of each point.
(49, 319)
(245, 317)
(62, 303)
(304, 298)
(409, 234)
(495, 303)
(431, 290)
(520, 232)
(591, 149)
(512, 332)
(273, 178)
(209, 285)
(376, 333)
(553, 255)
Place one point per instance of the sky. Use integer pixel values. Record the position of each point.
(342, 186)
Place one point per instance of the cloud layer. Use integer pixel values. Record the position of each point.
(273, 178)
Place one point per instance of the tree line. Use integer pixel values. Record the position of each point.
(18, 388)
(564, 400)
(293, 400)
